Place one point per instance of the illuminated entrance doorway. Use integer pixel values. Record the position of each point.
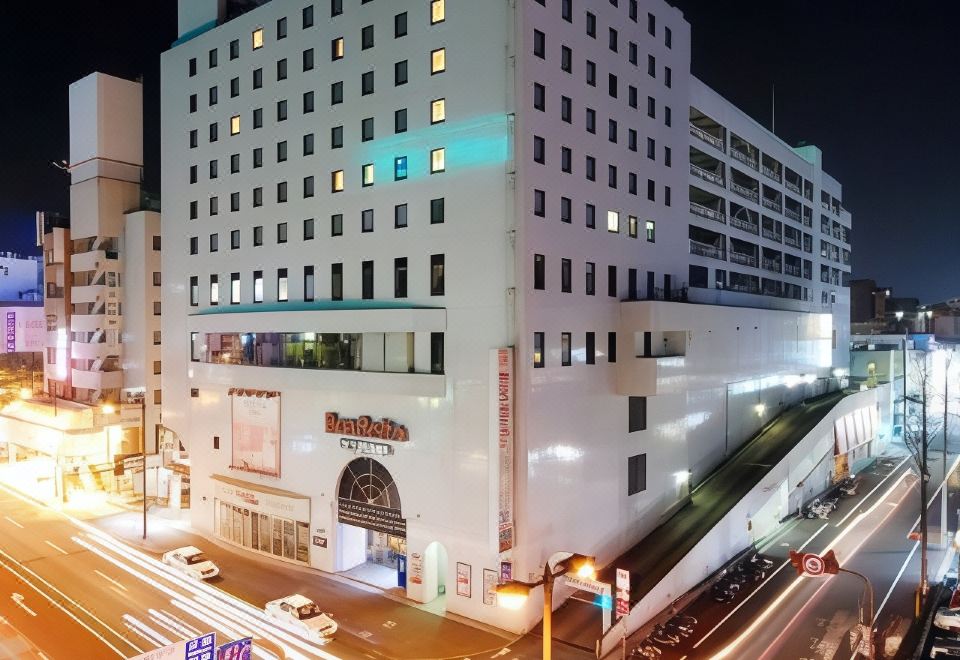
(372, 533)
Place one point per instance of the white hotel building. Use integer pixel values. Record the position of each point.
(367, 203)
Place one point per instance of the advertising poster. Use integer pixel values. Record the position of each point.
(416, 568)
(489, 587)
(506, 571)
(623, 592)
(463, 579)
(238, 650)
(256, 431)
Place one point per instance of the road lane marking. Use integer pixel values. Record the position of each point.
(56, 547)
(109, 579)
(865, 497)
(12, 521)
(64, 609)
(18, 599)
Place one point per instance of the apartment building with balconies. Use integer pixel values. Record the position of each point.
(444, 295)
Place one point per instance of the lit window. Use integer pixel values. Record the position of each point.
(400, 168)
(234, 124)
(336, 48)
(336, 181)
(613, 221)
(437, 11)
(438, 60)
(258, 38)
(438, 160)
(214, 290)
(234, 288)
(438, 111)
(257, 286)
(651, 231)
(282, 293)
(368, 174)
(632, 226)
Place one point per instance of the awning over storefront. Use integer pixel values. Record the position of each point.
(260, 488)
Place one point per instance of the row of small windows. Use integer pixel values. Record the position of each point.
(566, 12)
(400, 220)
(367, 87)
(438, 114)
(590, 115)
(566, 349)
(400, 281)
(437, 165)
(590, 277)
(257, 37)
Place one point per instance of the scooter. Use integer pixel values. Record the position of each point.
(661, 635)
(760, 561)
(646, 650)
(849, 487)
(818, 509)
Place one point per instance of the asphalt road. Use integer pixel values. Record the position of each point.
(650, 560)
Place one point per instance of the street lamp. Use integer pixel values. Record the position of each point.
(514, 593)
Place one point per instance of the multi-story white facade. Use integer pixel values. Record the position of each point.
(103, 320)
(414, 214)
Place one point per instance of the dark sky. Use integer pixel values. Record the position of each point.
(872, 84)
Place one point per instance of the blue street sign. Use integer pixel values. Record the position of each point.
(201, 648)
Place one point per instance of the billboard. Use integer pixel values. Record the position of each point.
(255, 418)
(25, 329)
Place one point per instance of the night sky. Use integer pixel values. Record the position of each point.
(872, 84)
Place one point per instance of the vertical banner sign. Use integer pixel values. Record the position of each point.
(623, 592)
(502, 413)
(11, 332)
(201, 648)
(464, 588)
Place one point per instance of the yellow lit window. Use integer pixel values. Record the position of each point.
(438, 111)
(438, 60)
(437, 11)
(368, 174)
(234, 124)
(613, 221)
(438, 160)
(258, 38)
(336, 181)
(337, 48)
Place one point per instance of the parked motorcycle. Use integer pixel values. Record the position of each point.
(761, 561)
(645, 650)
(661, 635)
(818, 509)
(848, 486)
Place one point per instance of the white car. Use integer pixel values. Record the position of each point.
(192, 561)
(948, 619)
(302, 615)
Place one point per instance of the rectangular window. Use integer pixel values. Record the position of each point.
(612, 176)
(591, 356)
(400, 216)
(258, 157)
(636, 474)
(668, 37)
(258, 236)
(400, 25)
(612, 40)
(566, 276)
(591, 25)
(612, 85)
(192, 67)
(566, 59)
(438, 160)
(257, 118)
(194, 291)
(307, 187)
(613, 221)
(566, 109)
(366, 280)
(281, 110)
(194, 245)
(281, 28)
(257, 286)
(539, 203)
(308, 144)
(591, 279)
(399, 168)
(307, 17)
(282, 285)
(566, 160)
(400, 277)
(336, 7)
(308, 59)
(308, 229)
(651, 190)
(282, 69)
(336, 281)
(336, 93)
(366, 129)
(235, 239)
(637, 414)
(308, 102)
(366, 83)
(565, 350)
(436, 352)
(366, 179)
(437, 211)
(336, 181)
(400, 73)
(539, 97)
(438, 61)
(282, 232)
(366, 37)
(366, 220)
(538, 350)
(214, 242)
(437, 11)
(539, 272)
(234, 288)
(437, 276)
(336, 49)
(566, 214)
(632, 183)
(438, 111)
(336, 137)
(611, 347)
(539, 149)
(281, 192)
(213, 132)
(400, 121)
(651, 231)
(612, 281)
(566, 10)
(539, 44)
(590, 213)
(212, 58)
(156, 337)
(632, 229)
(212, 96)
(214, 290)
(591, 168)
(308, 283)
(651, 107)
(336, 224)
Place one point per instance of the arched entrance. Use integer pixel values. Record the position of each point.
(435, 577)
(372, 533)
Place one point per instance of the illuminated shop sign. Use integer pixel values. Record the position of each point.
(366, 447)
(366, 427)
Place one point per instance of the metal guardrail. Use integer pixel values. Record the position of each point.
(712, 140)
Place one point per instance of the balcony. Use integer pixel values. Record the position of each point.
(744, 158)
(771, 288)
(792, 186)
(707, 212)
(711, 177)
(790, 269)
(88, 322)
(773, 265)
(746, 225)
(707, 250)
(712, 140)
(743, 287)
(792, 241)
(743, 191)
(87, 294)
(97, 380)
(743, 259)
(771, 235)
(771, 174)
(791, 213)
(772, 204)
(94, 260)
(96, 351)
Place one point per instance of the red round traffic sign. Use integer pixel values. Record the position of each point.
(813, 564)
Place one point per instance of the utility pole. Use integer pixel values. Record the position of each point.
(924, 478)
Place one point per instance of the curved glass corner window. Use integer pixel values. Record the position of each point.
(390, 352)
